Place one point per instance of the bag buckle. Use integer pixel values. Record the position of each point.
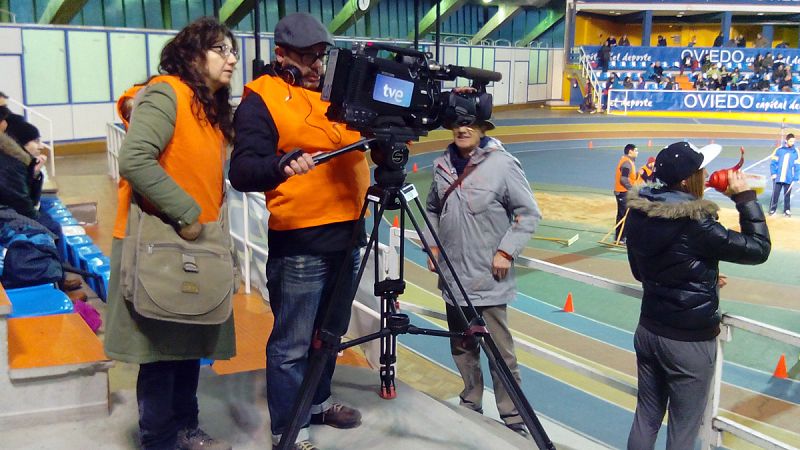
(189, 263)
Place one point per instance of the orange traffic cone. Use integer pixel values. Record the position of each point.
(591, 145)
(414, 168)
(649, 142)
(396, 223)
(568, 305)
(780, 369)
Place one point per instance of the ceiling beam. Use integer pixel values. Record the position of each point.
(504, 14)
(553, 17)
(349, 15)
(428, 21)
(61, 11)
(233, 11)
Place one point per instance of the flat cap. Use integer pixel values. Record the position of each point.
(301, 30)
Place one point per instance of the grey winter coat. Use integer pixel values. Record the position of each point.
(493, 209)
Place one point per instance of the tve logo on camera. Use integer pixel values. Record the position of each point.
(392, 91)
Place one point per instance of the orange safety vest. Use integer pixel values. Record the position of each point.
(194, 158)
(330, 193)
(647, 173)
(632, 176)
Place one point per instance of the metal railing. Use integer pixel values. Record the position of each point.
(48, 143)
(389, 259)
(10, 14)
(115, 134)
(713, 424)
(588, 74)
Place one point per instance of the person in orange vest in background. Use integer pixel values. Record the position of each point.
(124, 111)
(646, 174)
(625, 177)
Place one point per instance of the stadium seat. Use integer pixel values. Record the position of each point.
(49, 201)
(66, 221)
(623, 64)
(41, 300)
(86, 253)
(796, 68)
(796, 78)
(773, 88)
(612, 65)
(73, 244)
(796, 88)
(603, 76)
(651, 86)
(643, 65)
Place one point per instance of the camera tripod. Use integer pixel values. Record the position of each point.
(391, 192)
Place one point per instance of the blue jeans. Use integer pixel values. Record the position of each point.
(167, 395)
(300, 288)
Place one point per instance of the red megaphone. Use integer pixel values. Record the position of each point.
(719, 179)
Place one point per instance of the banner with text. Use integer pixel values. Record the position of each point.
(717, 2)
(675, 54)
(709, 101)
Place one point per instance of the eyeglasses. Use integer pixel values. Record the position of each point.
(309, 58)
(225, 50)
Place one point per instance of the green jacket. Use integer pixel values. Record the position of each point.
(130, 337)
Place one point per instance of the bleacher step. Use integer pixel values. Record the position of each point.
(54, 345)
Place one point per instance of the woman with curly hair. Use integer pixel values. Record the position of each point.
(173, 159)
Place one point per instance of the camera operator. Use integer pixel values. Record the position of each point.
(483, 208)
(313, 211)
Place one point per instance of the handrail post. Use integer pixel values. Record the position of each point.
(246, 239)
(709, 437)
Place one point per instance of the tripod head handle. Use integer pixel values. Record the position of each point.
(362, 144)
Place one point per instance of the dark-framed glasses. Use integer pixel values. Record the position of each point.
(225, 50)
(308, 58)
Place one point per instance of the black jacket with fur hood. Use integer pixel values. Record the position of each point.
(19, 189)
(675, 245)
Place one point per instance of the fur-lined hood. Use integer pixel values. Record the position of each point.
(9, 147)
(666, 204)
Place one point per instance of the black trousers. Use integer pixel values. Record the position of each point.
(167, 395)
(776, 194)
(622, 206)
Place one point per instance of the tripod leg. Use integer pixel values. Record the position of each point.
(388, 355)
(330, 334)
(493, 354)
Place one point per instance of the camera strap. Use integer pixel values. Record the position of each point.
(467, 170)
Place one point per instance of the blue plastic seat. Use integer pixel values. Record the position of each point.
(66, 221)
(623, 64)
(86, 253)
(97, 266)
(49, 201)
(73, 244)
(612, 64)
(41, 300)
(773, 88)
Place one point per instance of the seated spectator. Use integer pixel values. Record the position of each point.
(705, 63)
(695, 64)
(658, 70)
(686, 63)
(611, 41)
(662, 41)
(734, 79)
(761, 41)
(692, 42)
(757, 64)
(783, 44)
(718, 41)
(649, 73)
(766, 64)
(778, 74)
(785, 85)
(778, 61)
(715, 69)
(742, 84)
(624, 42)
(700, 83)
(670, 84)
(628, 83)
(741, 41)
(20, 175)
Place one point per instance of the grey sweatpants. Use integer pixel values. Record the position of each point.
(467, 358)
(674, 374)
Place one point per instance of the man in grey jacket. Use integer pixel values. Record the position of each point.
(483, 209)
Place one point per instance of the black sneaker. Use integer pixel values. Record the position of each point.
(198, 439)
(520, 429)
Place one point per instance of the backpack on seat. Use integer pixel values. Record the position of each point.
(28, 253)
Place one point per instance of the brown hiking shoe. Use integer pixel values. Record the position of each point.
(338, 416)
(302, 445)
(197, 439)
